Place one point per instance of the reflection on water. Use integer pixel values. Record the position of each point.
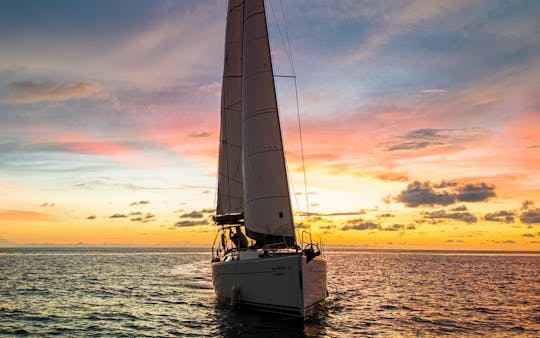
(168, 292)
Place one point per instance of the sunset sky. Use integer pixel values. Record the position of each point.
(420, 121)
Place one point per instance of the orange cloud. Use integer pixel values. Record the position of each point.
(33, 92)
(24, 215)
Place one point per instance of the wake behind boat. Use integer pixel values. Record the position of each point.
(272, 270)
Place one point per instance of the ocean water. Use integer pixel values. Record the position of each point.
(137, 292)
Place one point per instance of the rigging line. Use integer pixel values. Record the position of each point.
(291, 185)
(287, 50)
(287, 36)
(297, 106)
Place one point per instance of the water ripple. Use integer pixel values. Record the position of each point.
(168, 292)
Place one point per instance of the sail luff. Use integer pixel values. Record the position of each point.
(230, 196)
(268, 214)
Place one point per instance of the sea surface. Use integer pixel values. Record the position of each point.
(138, 292)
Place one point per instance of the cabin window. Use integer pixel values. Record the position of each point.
(280, 214)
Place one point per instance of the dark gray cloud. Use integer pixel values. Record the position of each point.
(139, 203)
(500, 216)
(193, 214)
(527, 204)
(420, 139)
(459, 208)
(393, 227)
(509, 241)
(327, 227)
(302, 226)
(191, 223)
(417, 194)
(360, 224)
(442, 214)
(47, 205)
(413, 145)
(531, 216)
(444, 184)
(91, 217)
(118, 216)
(429, 137)
(475, 192)
(385, 215)
(528, 235)
(149, 217)
(427, 133)
(425, 193)
(208, 211)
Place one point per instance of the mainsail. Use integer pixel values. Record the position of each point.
(268, 215)
(230, 197)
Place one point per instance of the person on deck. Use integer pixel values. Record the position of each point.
(239, 239)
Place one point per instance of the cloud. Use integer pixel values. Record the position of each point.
(413, 145)
(531, 216)
(427, 134)
(302, 225)
(149, 217)
(500, 216)
(442, 214)
(430, 137)
(385, 215)
(509, 241)
(327, 227)
(139, 203)
(459, 208)
(527, 204)
(418, 194)
(24, 215)
(47, 204)
(33, 92)
(393, 227)
(444, 184)
(360, 224)
(393, 177)
(193, 214)
(91, 217)
(431, 91)
(199, 135)
(191, 223)
(118, 216)
(475, 192)
(528, 235)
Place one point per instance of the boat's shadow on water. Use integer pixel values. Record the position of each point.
(249, 323)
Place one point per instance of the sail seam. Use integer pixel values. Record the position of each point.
(257, 73)
(266, 198)
(264, 151)
(246, 18)
(259, 113)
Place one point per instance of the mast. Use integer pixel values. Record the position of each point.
(268, 214)
(230, 196)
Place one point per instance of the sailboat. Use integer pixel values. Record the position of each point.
(274, 270)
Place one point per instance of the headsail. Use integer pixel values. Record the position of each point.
(268, 215)
(230, 198)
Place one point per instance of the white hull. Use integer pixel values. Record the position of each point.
(283, 284)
